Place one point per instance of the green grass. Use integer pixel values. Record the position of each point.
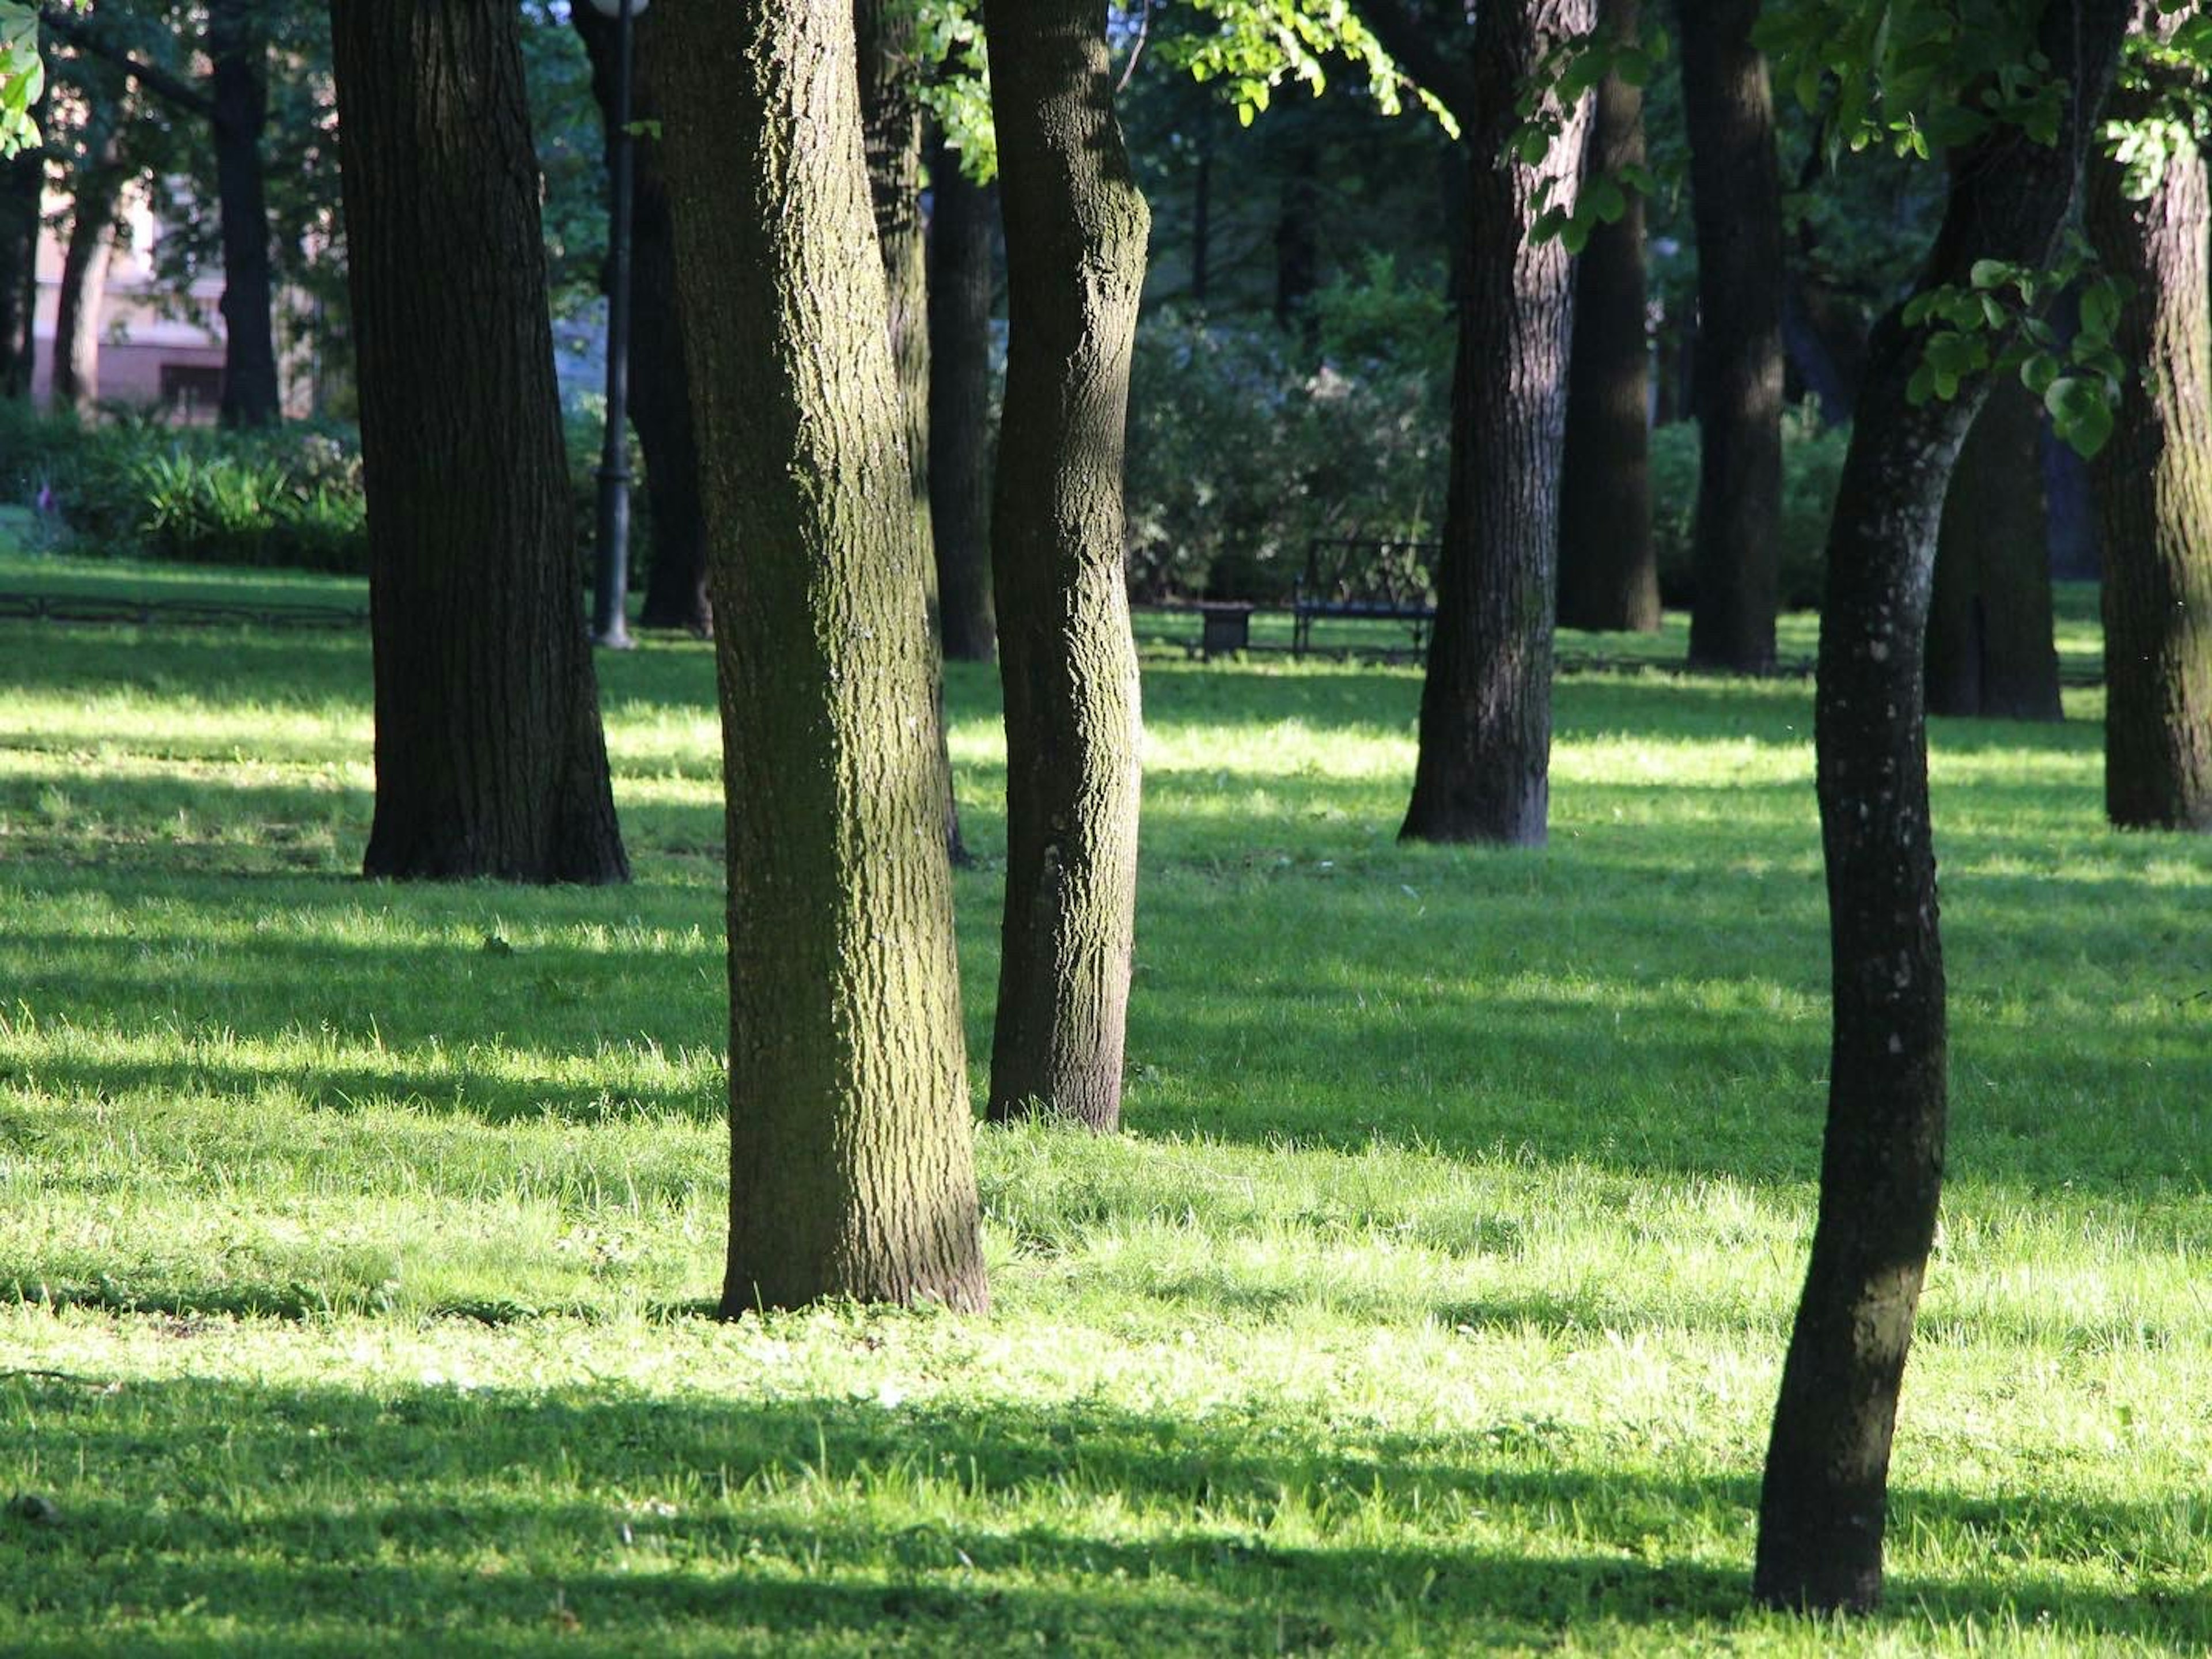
(1434, 1299)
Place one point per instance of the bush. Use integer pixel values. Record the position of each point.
(1812, 466)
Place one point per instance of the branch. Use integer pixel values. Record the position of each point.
(159, 82)
(1407, 39)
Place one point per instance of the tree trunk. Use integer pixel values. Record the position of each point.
(489, 760)
(851, 1138)
(2153, 483)
(1297, 257)
(23, 182)
(1990, 651)
(238, 52)
(1608, 567)
(82, 296)
(660, 391)
(1824, 1504)
(1076, 226)
(960, 406)
(1736, 203)
(1201, 210)
(1483, 772)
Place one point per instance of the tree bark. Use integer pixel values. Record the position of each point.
(23, 182)
(238, 52)
(659, 389)
(1484, 771)
(82, 295)
(1608, 567)
(2153, 482)
(1076, 227)
(960, 406)
(1990, 651)
(1823, 1502)
(851, 1137)
(489, 760)
(1736, 204)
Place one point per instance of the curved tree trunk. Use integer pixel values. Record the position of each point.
(82, 295)
(1608, 567)
(238, 52)
(1736, 203)
(1990, 651)
(1823, 1506)
(960, 406)
(489, 760)
(851, 1138)
(1075, 261)
(2155, 500)
(1484, 772)
(659, 388)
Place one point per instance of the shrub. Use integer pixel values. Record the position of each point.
(1812, 466)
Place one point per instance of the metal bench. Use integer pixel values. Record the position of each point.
(1368, 579)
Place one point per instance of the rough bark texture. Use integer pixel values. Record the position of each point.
(1736, 203)
(960, 406)
(1609, 567)
(23, 180)
(851, 1138)
(1823, 1505)
(97, 189)
(239, 85)
(659, 387)
(1075, 261)
(489, 756)
(1483, 772)
(2154, 498)
(1990, 651)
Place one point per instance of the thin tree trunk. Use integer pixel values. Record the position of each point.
(1991, 650)
(851, 1137)
(238, 53)
(489, 760)
(1736, 203)
(1483, 772)
(960, 406)
(1075, 261)
(659, 389)
(1823, 1506)
(2153, 483)
(1609, 567)
(23, 182)
(82, 296)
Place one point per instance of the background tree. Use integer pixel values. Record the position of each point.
(962, 217)
(22, 187)
(851, 1134)
(1076, 226)
(489, 760)
(1608, 567)
(2147, 215)
(1823, 1505)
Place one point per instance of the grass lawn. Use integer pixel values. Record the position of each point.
(355, 1239)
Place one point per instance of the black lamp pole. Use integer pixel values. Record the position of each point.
(611, 569)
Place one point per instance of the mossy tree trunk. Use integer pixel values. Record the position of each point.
(489, 760)
(851, 1137)
(1991, 649)
(2154, 498)
(659, 389)
(960, 405)
(1609, 567)
(1484, 771)
(1075, 225)
(1736, 206)
(1823, 1506)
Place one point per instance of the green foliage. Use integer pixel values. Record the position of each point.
(1812, 468)
(22, 75)
(1569, 71)
(1254, 47)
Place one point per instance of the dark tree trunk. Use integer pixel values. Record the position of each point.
(851, 1137)
(1990, 647)
(1608, 567)
(1075, 262)
(22, 181)
(960, 406)
(489, 760)
(660, 391)
(82, 295)
(1297, 257)
(1824, 1504)
(1736, 203)
(2155, 494)
(1483, 772)
(238, 51)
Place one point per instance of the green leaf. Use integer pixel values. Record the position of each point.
(1606, 200)
(2080, 413)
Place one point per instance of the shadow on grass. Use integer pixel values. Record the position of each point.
(333, 1514)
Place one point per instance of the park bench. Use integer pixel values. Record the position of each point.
(1366, 578)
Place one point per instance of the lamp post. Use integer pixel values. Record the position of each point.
(610, 563)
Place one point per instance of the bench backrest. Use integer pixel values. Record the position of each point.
(1370, 572)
